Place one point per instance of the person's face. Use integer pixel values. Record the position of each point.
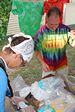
(16, 61)
(53, 21)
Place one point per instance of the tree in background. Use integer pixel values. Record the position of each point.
(5, 7)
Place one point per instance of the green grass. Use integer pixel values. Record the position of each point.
(32, 71)
(71, 59)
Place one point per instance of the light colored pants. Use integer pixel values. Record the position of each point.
(63, 73)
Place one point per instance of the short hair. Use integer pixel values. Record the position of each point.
(17, 40)
(53, 10)
(9, 50)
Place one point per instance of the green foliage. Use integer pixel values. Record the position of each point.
(5, 7)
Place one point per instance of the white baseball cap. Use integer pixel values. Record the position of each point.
(25, 48)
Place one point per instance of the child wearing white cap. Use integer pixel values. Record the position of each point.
(15, 54)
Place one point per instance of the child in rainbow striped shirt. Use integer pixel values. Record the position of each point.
(50, 45)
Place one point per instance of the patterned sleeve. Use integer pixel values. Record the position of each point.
(38, 41)
(71, 39)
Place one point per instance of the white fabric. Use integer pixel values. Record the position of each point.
(25, 48)
(69, 14)
(72, 1)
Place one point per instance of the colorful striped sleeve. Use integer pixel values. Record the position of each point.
(38, 40)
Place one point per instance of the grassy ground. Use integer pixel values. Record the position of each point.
(71, 59)
(32, 71)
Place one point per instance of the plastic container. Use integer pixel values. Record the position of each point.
(18, 84)
(46, 88)
(71, 83)
(71, 108)
(46, 108)
(24, 92)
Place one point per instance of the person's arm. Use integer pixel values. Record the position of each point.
(45, 67)
(3, 88)
(39, 56)
(38, 48)
(71, 36)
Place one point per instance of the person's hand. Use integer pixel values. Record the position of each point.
(16, 99)
(45, 67)
(72, 34)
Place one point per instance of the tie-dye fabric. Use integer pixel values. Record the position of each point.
(52, 44)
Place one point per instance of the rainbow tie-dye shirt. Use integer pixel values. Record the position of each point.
(52, 45)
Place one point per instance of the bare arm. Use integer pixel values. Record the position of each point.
(40, 58)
